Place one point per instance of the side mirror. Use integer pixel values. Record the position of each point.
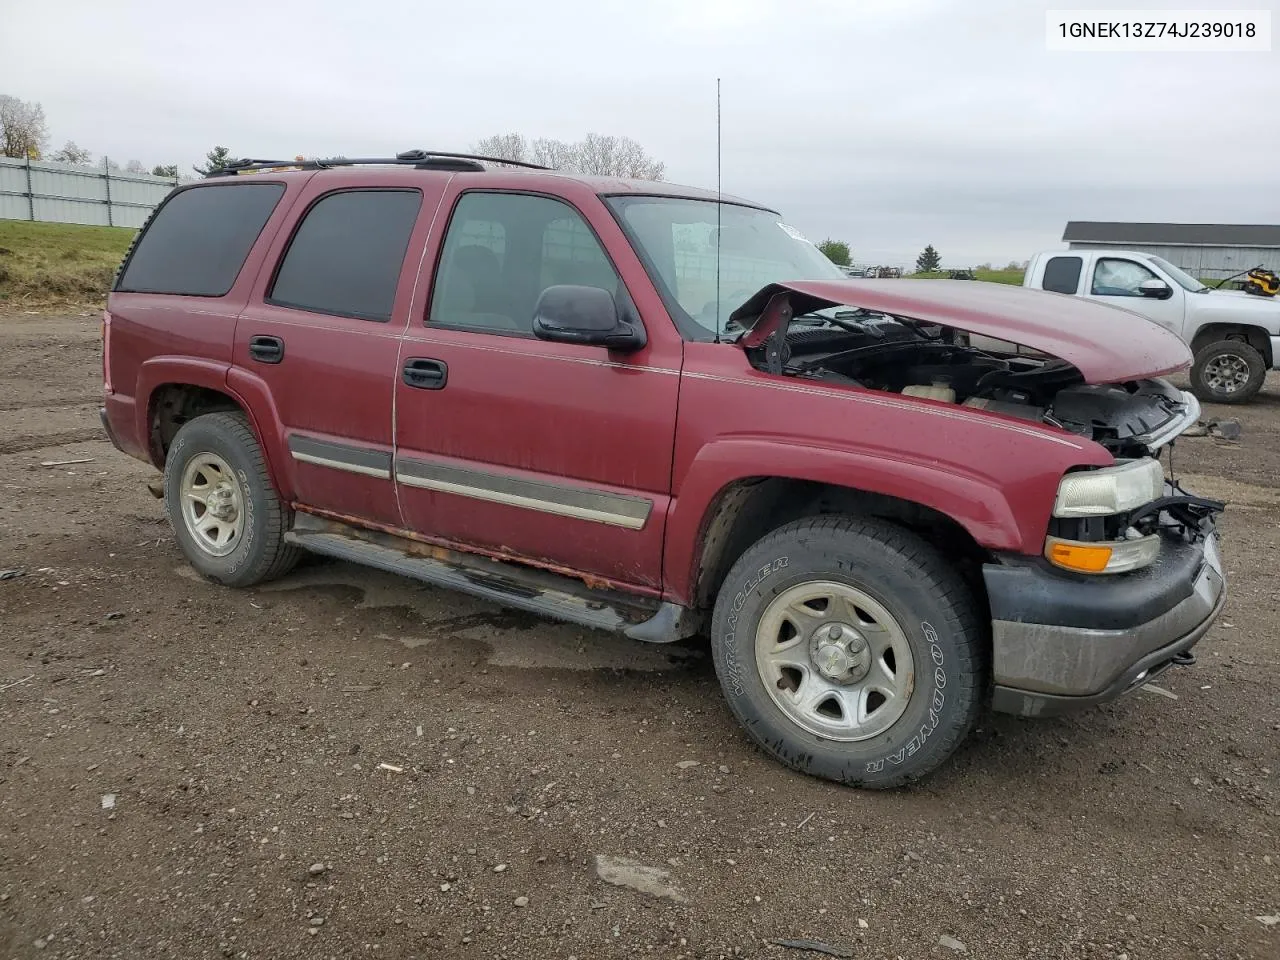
(1155, 289)
(588, 315)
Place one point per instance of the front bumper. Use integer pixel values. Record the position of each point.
(1065, 641)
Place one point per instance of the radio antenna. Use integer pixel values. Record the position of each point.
(717, 209)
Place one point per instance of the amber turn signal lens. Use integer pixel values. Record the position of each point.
(1083, 558)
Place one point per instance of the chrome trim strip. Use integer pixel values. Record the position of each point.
(340, 456)
(339, 465)
(566, 501)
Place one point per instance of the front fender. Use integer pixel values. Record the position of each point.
(1005, 516)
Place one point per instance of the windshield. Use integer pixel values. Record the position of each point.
(677, 239)
(1180, 277)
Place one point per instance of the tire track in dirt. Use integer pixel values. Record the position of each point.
(42, 404)
(24, 444)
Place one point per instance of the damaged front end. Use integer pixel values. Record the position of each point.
(1130, 577)
(893, 353)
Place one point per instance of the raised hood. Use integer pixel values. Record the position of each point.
(1106, 344)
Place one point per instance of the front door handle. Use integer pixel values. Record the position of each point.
(426, 374)
(266, 349)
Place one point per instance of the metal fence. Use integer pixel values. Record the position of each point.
(67, 193)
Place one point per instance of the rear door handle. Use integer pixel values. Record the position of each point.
(426, 374)
(266, 349)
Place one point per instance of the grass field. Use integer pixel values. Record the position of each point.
(55, 264)
(991, 276)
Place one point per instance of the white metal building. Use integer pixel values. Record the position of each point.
(1205, 250)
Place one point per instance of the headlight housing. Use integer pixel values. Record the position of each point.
(1110, 490)
(1112, 556)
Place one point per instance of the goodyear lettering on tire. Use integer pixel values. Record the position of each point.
(937, 699)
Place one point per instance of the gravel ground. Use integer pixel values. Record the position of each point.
(352, 765)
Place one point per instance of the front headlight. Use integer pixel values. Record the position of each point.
(1111, 490)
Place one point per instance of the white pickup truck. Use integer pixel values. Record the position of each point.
(1235, 336)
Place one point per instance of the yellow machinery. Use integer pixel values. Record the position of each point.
(1262, 282)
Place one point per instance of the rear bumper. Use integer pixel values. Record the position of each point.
(1275, 353)
(106, 425)
(1061, 642)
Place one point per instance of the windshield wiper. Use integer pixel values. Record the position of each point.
(838, 320)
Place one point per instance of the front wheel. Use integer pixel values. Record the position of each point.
(1230, 371)
(849, 649)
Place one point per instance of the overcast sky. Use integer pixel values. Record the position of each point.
(886, 123)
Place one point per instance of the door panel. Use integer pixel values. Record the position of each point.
(558, 454)
(332, 374)
(1115, 280)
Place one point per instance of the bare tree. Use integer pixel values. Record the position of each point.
(134, 166)
(554, 154)
(72, 152)
(23, 132)
(616, 157)
(505, 146)
(595, 154)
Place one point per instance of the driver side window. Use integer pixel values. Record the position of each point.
(502, 250)
(1119, 278)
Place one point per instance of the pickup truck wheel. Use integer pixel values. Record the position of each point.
(225, 513)
(1230, 371)
(849, 649)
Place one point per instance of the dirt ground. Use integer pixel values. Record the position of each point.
(241, 736)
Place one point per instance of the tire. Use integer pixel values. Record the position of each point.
(883, 570)
(217, 457)
(1218, 362)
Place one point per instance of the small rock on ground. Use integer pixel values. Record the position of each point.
(951, 943)
(624, 872)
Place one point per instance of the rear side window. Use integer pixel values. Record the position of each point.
(345, 258)
(1062, 274)
(198, 241)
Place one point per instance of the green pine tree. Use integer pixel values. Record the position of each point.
(215, 160)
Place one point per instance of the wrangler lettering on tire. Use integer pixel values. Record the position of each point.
(850, 649)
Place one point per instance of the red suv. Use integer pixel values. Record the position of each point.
(643, 408)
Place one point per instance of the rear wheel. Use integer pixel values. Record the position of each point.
(225, 513)
(849, 649)
(1230, 371)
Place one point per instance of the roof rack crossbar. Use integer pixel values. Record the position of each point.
(422, 159)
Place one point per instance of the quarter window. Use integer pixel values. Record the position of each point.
(199, 239)
(346, 256)
(1119, 278)
(502, 250)
(1062, 274)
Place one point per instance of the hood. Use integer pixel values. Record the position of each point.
(1106, 344)
(1238, 298)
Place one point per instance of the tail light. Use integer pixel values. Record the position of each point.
(106, 351)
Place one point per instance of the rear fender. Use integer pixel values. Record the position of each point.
(249, 393)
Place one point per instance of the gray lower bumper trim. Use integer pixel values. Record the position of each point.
(1079, 662)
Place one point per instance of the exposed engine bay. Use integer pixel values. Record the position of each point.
(897, 355)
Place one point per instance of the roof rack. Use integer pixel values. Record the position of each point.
(418, 159)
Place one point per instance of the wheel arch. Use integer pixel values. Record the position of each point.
(1256, 337)
(748, 508)
(176, 390)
